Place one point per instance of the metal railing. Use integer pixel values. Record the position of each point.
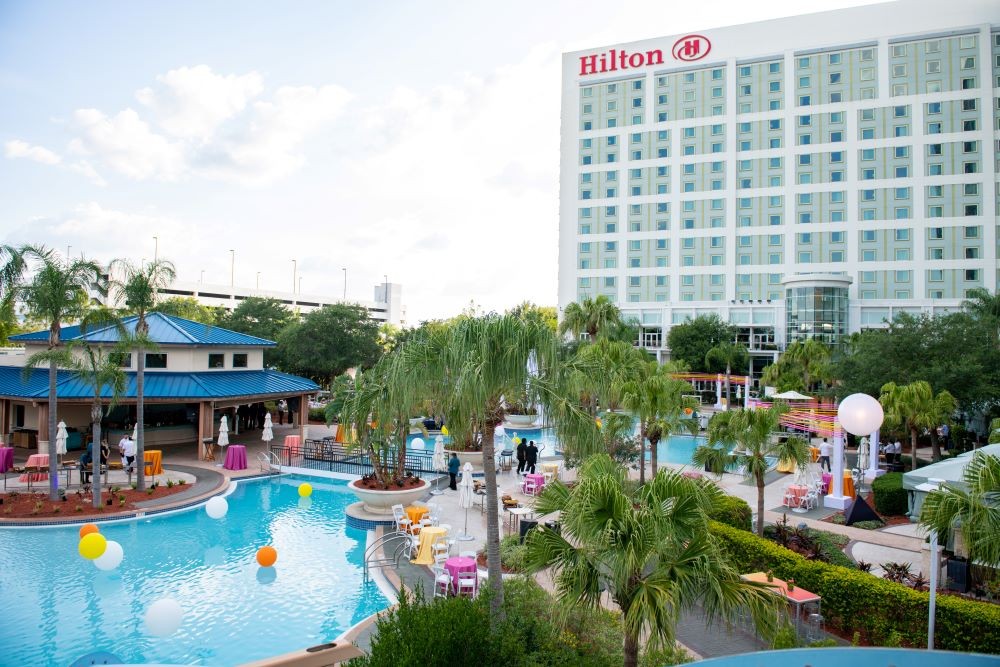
(269, 462)
(382, 543)
(336, 457)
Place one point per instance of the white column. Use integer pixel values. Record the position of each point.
(718, 392)
(873, 469)
(836, 498)
(746, 392)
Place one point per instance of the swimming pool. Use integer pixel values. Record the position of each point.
(59, 607)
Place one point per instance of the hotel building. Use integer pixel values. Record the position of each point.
(802, 177)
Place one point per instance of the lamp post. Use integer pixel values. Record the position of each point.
(258, 281)
(345, 283)
(295, 273)
(300, 285)
(232, 268)
(201, 277)
(156, 248)
(860, 415)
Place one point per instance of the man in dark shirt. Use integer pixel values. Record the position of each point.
(521, 455)
(531, 454)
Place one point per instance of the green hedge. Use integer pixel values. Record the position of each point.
(857, 601)
(890, 497)
(734, 512)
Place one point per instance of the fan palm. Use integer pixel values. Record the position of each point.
(913, 407)
(601, 370)
(727, 355)
(648, 547)
(136, 291)
(57, 293)
(974, 511)
(751, 431)
(590, 316)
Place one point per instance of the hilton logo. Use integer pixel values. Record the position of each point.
(691, 47)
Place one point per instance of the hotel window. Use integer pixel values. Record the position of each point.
(804, 62)
(935, 275)
(836, 237)
(898, 71)
(867, 133)
(837, 256)
(610, 227)
(774, 86)
(805, 238)
(969, 83)
(612, 123)
(972, 275)
(868, 235)
(971, 188)
(805, 257)
(968, 62)
(662, 225)
(970, 167)
(868, 74)
(804, 100)
(687, 260)
(836, 137)
(899, 50)
(970, 105)
(867, 255)
(970, 125)
(774, 220)
(774, 68)
(609, 281)
(837, 197)
(156, 360)
(239, 360)
(774, 143)
(902, 254)
(836, 157)
(744, 70)
(902, 193)
(899, 89)
(972, 253)
(867, 174)
(588, 92)
(774, 258)
(935, 233)
(901, 130)
(124, 359)
(716, 260)
(971, 209)
(935, 211)
(774, 239)
(935, 253)
(902, 172)
(867, 276)
(902, 234)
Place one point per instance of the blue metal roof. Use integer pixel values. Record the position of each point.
(163, 329)
(208, 385)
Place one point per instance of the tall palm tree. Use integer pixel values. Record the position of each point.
(603, 369)
(98, 367)
(728, 355)
(57, 293)
(913, 407)
(590, 316)
(974, 511)
(984, 305)
(805, 366)
(648, 547)
(750, 430)
(136, 291)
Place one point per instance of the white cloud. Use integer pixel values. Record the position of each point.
(127, 144)
(87, 170)
(191, 102)
(16, 148)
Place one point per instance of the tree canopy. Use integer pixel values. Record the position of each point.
(188, 308)
(329, 341)
(690, 342)
(263, 318)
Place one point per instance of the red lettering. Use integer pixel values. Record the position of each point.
(614, 66)
(691, 48)
(622, 60)
(588, 65)
(654, 57)
(636, 60)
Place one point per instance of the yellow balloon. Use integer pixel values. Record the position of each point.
(92, 545)
(444, 430)
(305, 489)
(598, 422)
(517, 441)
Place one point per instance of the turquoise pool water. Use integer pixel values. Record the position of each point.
(58, 606)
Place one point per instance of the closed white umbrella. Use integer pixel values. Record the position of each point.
(135, 431)
(465, 498)
(61, 437)
(223, 438)
(268, 433)
(439, 462)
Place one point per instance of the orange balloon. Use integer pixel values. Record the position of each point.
(267, 556)
(688, 411)
(88, 528)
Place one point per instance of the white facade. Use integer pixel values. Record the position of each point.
(700, 171)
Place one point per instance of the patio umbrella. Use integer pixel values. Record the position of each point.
(792, 396)
(135, 431)
(465, 498)
(268, 434)
(61, 436)
(439, 462)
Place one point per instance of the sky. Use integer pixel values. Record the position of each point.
(418, 141)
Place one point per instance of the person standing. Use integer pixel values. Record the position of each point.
(282, 407)
(128, 451)
(453, 465)
(531, 454)
(825, 451)
(521, 450)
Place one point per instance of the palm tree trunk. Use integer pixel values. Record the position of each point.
(140, 408)
(913, 447)
(642, 453)
(492, 525)
(653, 444)
(935, 445)
(760, 505)
(53, 417)
(729, 372)
(95, 475)
(631, 649)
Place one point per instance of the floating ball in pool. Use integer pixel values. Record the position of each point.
(111, 558)
(92, 545)
(88, 528)
(305, 489)
(164, 617)
(267, 556)
(216, 507)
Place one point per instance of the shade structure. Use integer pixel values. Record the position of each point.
(61, 437)
(223, 432)
(792, 396)
(439, 461)
(465, 498)
(268, 433)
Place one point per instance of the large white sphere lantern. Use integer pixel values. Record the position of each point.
(860, 414)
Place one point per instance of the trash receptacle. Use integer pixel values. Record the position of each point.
(554, 526)
(527, 525)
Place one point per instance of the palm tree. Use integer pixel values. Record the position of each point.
(913, 407)
(805, 366)
(136, 291)
(750, 430)
(974, 511)
(648, 547)
(57, 293)
(590, 316)
(984, 305)
(99, 368)
(604, 368)
(727, 354)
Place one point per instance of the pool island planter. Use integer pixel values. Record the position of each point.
(521, 421)
(377, 501)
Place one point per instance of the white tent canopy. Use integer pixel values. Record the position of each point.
(949, 471)
(792, 396)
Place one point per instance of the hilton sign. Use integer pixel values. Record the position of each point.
(686, 49)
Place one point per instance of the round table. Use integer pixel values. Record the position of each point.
(155, 458)
(425, 555)
(415, 513)
(457, 564)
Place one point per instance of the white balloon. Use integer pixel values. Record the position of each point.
(216, 507)
(111, 558)
(418, 443)
(860, 414)
(163, 617)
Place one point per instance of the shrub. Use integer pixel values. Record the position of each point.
(317, 415)
(513, 553)
(890, 497)
(733, 512)
(856, 601)
(672, 655)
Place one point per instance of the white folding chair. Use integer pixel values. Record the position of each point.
(442, 582)
(440, 546)
(425, 523)
(529, 488)
(402, 521)
(467, 583)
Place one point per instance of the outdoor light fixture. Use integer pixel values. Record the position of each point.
(860, 414)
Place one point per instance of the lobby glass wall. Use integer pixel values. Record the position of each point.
(816, 312)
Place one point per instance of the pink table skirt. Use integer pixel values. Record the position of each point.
(40, 460)
(294, 444)
(539, 481)
(827, 478)
(236, 458)
(457, 564)
(6, 458)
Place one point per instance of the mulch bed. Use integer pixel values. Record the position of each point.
(372, 484)
(36, 505)
(481, 564)
(888, 520)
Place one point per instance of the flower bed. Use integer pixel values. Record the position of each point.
(36, 505)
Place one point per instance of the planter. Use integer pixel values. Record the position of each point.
(381, 502)
(521, 421)
(473, 457)
(416, 422)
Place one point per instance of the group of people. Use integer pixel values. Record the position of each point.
(527, 457)
(893, 451)
(126, 449)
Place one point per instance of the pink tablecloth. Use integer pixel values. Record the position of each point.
(539, 480)
(6, 458)
(236, 458)
(40, 460)
(294, 444)
(798, 492)
(457, 564)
